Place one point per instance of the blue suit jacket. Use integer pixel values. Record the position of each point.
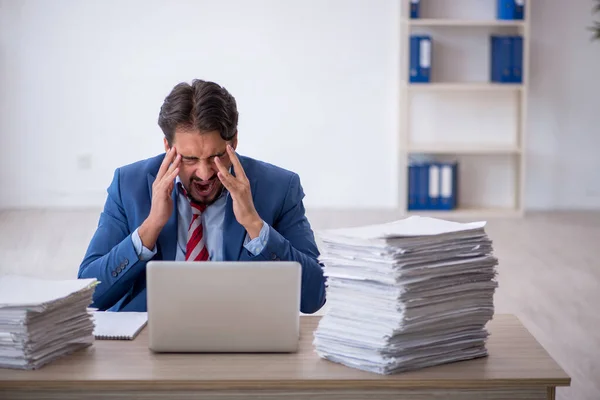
(112, 259)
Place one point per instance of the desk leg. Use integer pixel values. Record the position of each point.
(552, 393)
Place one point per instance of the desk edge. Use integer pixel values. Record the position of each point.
(100, 385)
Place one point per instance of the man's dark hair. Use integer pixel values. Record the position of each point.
(203, 106)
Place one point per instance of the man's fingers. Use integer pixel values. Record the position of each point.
(171, 177)
(172, 181)
(222, 168)
(174, 164)
(170, 174)
(166, 162)
(239, 170)
(168, 180)
(228, 181)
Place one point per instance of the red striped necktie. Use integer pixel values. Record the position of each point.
(196, 244)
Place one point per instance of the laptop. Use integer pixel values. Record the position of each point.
(231, 307)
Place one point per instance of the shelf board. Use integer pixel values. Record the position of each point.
(464, 86)
(463, 22)
(470, 213)
(466, 149)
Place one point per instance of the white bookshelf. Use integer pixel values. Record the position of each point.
(450, 149)
(431, 22)
(502, 148)
(462, 87)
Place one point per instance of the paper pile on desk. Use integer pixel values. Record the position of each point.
(42, 320)
(406, 295)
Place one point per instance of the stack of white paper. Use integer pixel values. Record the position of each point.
(41, 320)
(407, 294)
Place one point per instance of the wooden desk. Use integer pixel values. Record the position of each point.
(517, 368)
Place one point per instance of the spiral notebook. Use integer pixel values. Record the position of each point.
(118, 325)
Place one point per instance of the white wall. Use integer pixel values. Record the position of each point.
(81, 83)
(564, 120)
(314, 83)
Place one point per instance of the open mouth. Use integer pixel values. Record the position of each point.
(205, 188)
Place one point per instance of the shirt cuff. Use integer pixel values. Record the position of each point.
(256, 245)
(143, 253)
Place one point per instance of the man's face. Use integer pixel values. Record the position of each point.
(197, 170)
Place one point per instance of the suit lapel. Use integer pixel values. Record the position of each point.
(167, 240)
(234, 233)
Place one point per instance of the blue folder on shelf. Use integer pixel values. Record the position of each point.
(414, 8)
(506, 59)
(432, 186)
(413, 180)
(510, 9)
(418, 190)
(520, 9)
(448, 186)
(517, 59)
(501, 54)
(420, 58)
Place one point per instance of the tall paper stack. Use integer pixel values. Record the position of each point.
(406, 295)
(42, 320)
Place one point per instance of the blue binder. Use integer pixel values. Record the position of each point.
(420, 59)
(425, 54)
(414, 58)
(433, 187)
(422, 186)
(517, 59)
(501, 54)
(418, 198)
(519, 9)
(414, 9)
(412, 186)
(448, 186)
(510, 9)
(505, 9)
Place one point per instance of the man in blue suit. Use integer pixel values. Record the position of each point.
(199, 201)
